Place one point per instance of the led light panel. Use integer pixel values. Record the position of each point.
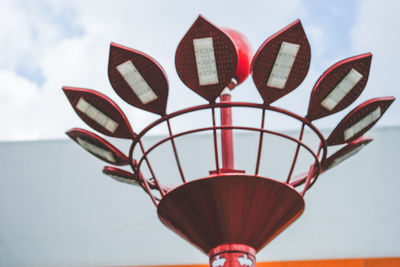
(344, 157)
(135, 80)
(359, 126)
(205, 61)
(97, 115)
(283, 64)
(342, 89)
(107, 155)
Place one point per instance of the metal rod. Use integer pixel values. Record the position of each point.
(296, 154)
(215, 140)
(317, 165)
(135, 167)
(260, 143)
(226, 134)
(176, 153)
(151, 169)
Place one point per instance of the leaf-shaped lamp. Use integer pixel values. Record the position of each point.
(138, 79)
(121, 175)
(346, 152)
(359, 121)
(206, 59)
(99, 112)
(281, 63)
(98, 146)
(339, 86)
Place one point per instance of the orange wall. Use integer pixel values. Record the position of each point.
(369, 262)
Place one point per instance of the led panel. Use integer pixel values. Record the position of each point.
(283, 64)
(107, 155)
(363, 123)
(205, 61)
(359, 120)
(339, 86)
(136, 81)
(342, 89)
(97, 115)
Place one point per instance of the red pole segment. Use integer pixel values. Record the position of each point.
(226, 134)
(232, 255)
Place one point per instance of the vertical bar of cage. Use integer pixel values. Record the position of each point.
(296, 154)
(260, 144)
(215, 140)
(135, 168)
(151, 170)
(178, 163)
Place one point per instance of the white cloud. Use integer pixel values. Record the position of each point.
(376, 30)
(39, 36)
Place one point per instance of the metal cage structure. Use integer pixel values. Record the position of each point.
(229, 214)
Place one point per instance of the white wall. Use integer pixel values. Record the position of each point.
(57, 209)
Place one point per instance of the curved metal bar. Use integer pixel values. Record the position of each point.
(230, 104)
(135, 167)
(235, 104)
(151, 169)
(317, 163)
(296, 154)
(260, 143)
(178, 162)
(215, 141)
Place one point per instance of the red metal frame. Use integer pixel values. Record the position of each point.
(229, 215)
(214, 128)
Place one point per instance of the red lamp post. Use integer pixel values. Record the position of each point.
(229, 215)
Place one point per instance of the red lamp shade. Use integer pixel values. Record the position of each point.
(359, 121)
(99, 112)
(339, 86)
(138, 79)
(206, 59)
(281, 63)
(98, 146)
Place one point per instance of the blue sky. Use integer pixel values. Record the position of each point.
(47, 44)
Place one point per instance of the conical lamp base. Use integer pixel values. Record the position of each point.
(230, 209)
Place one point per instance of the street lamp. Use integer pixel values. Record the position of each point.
(230, 214)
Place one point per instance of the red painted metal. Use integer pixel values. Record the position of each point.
(260, 144)
(238, 209)
(235, 255)
(345, 152)
(120, 158)
(357, 114)
(103, 104)
(149, 69)
(264, 60)
(214, 128)
(129, 177)
(226, 135)
(244, 53)
(225, 55)
(229, 215)
(327, 82)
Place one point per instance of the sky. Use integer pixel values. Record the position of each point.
(46, 44)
